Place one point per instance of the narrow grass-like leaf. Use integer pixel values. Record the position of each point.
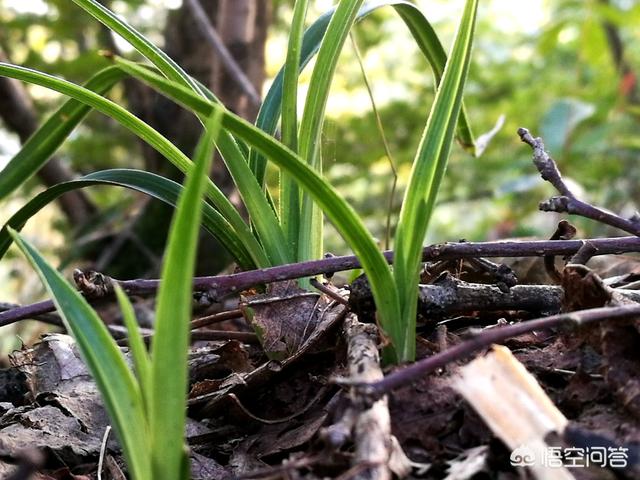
(424, 182)
(262, 214)
(120, 392)
(165, 64)
(149, 135)
(149, 183)
(422, 32)
(337, 210)
(385, 143)
(170, 344)
(289, 192)
(320, 83)
(45, 141)
(141, 359)
(310, 233)
(429, 43)
(157, 57)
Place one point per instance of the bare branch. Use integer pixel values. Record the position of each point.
(218, 287)
(488, 337)
(567, 201)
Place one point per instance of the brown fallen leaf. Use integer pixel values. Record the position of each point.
(284, 317)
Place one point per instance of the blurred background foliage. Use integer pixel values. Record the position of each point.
(565, 69)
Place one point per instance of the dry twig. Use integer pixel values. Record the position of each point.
(488, 337)
(567, 202)
(378, 453)
(220, 286)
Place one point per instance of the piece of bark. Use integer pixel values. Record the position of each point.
(514, 406)
(376, 449)
(448, 295)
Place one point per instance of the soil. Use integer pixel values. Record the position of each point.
(283, 409)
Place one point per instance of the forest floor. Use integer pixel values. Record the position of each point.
(309, 402)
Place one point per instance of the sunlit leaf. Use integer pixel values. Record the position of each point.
(289, 192)
(170, 345)
(149, 135)
(151, 184)
(337, 210)
(47, 139)
(426, 174)
(141, 358)
(419, 27)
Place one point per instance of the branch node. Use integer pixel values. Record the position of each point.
(93, 284)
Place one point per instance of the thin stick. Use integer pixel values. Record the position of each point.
(329, 292)
(223, 285)
(485, 339)
(567, 201)
(215, 318)
(103, 449)
(234, 398)
(243, 337)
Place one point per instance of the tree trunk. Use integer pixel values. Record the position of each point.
(243, 28)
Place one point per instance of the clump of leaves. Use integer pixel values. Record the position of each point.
(150, 406)
(295, 233)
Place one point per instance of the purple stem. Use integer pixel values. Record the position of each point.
(485, 339)
(221, 286)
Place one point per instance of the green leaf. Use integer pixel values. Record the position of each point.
(45, 141)
(170, 345)
(117, 385)
(337, 210)
(262, 215)
(289, 192)
(150, 136)
(420, 29)
(310, 234)
(424, 182)
(141, 359)
(165, 64)
(269, 230)
(151, 184)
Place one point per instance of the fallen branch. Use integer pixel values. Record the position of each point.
(377, 452)
(488, 337)
(218, 287)
(450, 295)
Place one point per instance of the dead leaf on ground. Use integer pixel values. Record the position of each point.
(284, 317)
